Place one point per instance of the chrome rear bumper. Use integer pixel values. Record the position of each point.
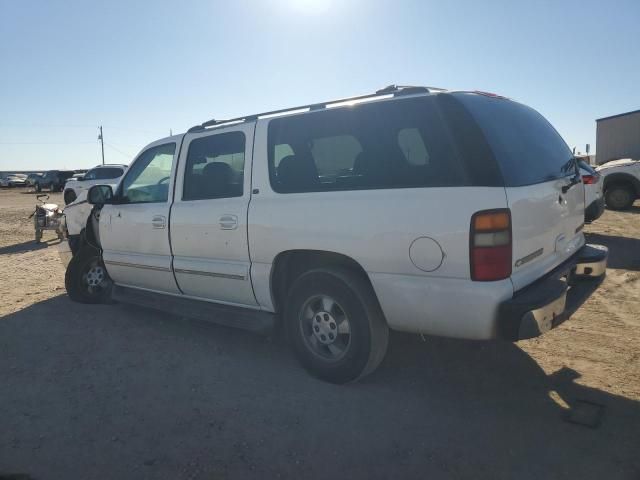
(551, 300)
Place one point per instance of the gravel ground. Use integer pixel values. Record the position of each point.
(106, 392)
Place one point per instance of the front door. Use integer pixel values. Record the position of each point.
(134, 232)
(209, 216)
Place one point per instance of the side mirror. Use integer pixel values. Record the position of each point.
(100, 195)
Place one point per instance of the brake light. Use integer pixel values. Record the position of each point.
(590, 179)
(490, 245)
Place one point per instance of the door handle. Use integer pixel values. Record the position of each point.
(228, 222)
(159, 221)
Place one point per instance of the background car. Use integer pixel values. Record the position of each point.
(31, 179)
(14, 180)
(593, 196)
(100, 175)
(53, 180)
(620, 182)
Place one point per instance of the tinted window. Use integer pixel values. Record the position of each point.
(393, 144)
(527, 148)
(90, 175)
(148, 178)
(107, 173)
(215, 167)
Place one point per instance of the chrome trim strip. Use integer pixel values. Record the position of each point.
(135, 265)
(210, 274)
(529, 257)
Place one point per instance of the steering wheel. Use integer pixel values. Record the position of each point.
(162, 180)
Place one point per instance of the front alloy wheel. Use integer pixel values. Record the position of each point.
(86, 279)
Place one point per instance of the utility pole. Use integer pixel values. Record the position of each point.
(100, 137)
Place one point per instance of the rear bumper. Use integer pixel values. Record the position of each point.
(594, 210)
(551, 300)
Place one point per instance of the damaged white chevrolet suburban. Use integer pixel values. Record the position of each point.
(417, 209)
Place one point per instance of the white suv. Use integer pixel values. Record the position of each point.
(100, 175)
(448, 213)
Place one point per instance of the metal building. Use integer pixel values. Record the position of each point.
(618, 136)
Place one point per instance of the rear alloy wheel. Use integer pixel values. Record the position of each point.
(86, 278)
(335, 324)
(619, 197)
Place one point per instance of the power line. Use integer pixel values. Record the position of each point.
(118, 150)
(54, 125)
(44, 143)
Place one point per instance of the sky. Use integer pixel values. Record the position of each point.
(145, 68)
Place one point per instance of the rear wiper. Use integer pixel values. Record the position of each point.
(574, 181)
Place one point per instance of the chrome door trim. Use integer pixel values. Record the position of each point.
(135, 265)
(210, 274)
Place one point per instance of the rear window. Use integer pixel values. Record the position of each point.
(527, 148)
(394, 144)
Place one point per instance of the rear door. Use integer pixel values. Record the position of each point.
(209, 216)
(539, 171)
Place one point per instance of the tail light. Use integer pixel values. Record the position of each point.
(490, 245)
(590, 179)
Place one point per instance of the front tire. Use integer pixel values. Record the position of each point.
(619, 197)
(335, 325)
(86, 278)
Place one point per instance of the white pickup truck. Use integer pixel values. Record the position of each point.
(621, 182)
(457, 214)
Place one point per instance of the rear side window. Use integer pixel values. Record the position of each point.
(527, 148)
(107, 173)
(215, 167)
(402, 143)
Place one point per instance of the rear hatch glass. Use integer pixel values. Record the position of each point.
(537, 167)
(526, 146)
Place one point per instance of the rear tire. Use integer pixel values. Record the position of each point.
(38, 187)
(86, 278)
(335, 324)
(619, 197)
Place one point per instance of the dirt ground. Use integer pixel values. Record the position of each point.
(105, 392)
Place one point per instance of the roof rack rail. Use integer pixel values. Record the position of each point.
(395, 90)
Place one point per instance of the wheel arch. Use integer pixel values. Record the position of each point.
(621, 178)
(290, 264)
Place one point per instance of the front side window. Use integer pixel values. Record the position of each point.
(393, 144)
(215, 167)
(90, 175)
(148, 179)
